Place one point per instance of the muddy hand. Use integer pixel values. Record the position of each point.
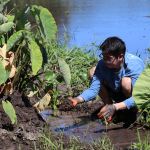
(107, 112)
(74, 101)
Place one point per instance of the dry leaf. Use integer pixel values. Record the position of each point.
(43, 103)
(3, 51)
(8, 89)
(10, 55)
(12, 72)
(32, 93)
(7, 60)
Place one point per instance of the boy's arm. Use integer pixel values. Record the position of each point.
(92, 91)
(127, 104)
(89, 93)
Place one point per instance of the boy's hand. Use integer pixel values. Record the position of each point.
(75, 101)
(107, 111)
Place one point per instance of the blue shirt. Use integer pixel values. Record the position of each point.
(132, 67)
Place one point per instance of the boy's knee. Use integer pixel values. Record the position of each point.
(126, 85)
(91, 72)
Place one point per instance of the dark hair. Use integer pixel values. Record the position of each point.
(114, 46)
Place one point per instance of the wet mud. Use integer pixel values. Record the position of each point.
(25, 133)
(83, 123)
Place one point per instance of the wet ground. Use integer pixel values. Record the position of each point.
(80, 122)
(88, 128)
(23, 135)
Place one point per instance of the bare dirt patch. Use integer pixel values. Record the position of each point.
(25, 133)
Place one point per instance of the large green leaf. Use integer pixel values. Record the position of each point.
(64, 68)
(10, 111)
(141, 90)
(50, 76)
(15, 38)
(10, 18)
(46, 22)
(36, 56)
(5, 27)
(4, 74)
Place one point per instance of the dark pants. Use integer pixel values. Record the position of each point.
(127, 116)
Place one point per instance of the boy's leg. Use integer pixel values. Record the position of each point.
(126, 86)
(128, 116)
(91, 72)
(104, 93)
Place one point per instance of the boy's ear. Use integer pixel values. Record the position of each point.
(121, 56)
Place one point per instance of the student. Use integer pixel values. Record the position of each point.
(113, 79)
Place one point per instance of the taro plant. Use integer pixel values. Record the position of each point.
(22, 49)
(142, 96)
(10, 111)
(25, 37)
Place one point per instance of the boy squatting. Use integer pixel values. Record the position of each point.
(113, 79)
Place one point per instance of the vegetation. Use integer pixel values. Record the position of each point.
(21, 52)
(142, 144)
(31, 61)
(49, 141)
(142, 97)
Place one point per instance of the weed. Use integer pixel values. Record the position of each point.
(142, 144)
(55, 142)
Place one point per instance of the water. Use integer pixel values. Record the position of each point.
(82, 126)
(83, 22)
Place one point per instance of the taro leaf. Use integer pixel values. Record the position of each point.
(10, 18)
(46, 21)
(3, 19)
(4, 74)
(2, 40)
(5, 27)
(36, 56)
(49, 76)
(141, 90)
(65, 70)
(15, 38)
(10, 111)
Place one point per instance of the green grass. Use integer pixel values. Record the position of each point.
(47, 141)
(78, 61)
(141, 144)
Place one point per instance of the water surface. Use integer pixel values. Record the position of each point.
(83, 22)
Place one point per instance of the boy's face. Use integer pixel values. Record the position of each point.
(112, 61)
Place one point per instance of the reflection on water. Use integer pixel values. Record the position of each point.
(87, 21)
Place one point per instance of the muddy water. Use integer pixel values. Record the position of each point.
(88, 129)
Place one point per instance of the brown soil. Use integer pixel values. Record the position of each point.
(83, 119)
(25, 133)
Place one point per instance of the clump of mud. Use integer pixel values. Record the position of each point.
(25, 133)
(91, 107)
